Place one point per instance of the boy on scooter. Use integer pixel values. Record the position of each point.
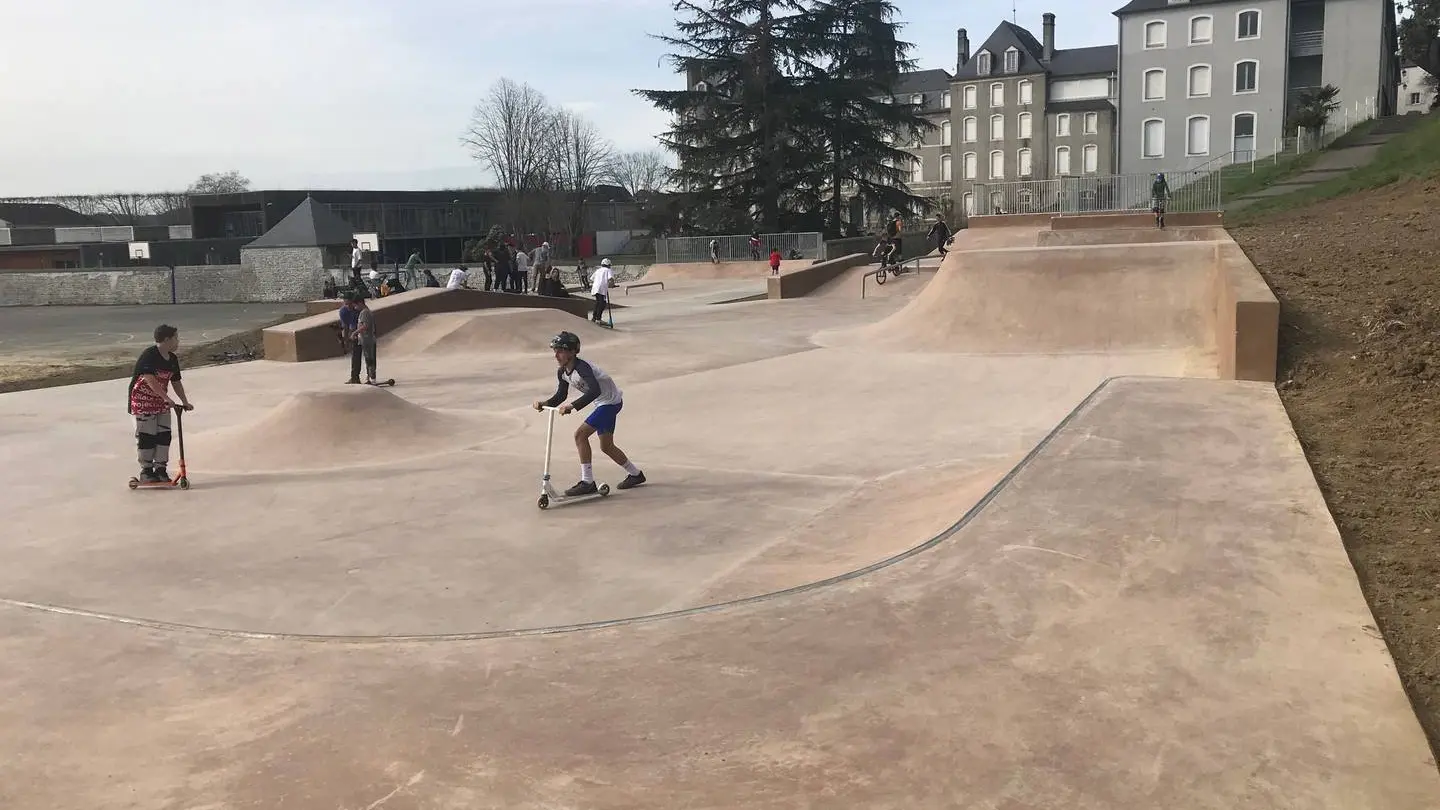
(595, 387)
(149, 402)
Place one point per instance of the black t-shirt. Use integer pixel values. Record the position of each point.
(151, 361)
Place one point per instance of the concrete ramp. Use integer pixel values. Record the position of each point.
(1127, 236)
(492, 331)
(686, 271)
(1018, 300)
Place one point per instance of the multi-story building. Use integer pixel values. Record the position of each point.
(1203, 78)
(1417, 89)
(930, 91)
(1026, 110)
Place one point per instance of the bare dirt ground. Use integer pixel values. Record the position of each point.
(17, 376)
(1360, 376)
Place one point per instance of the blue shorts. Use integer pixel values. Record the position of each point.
(603, 418)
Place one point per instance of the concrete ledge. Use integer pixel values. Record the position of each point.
(1008, 220)
(1197, 219)
(1247, 317)
(313, 337)
(803, 281)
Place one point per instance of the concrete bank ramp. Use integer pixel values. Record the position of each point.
(1018, 300)
(499, 330)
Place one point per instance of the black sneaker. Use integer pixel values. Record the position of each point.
(353, 381)
(632, 481)
(582, 488)
(155, 475)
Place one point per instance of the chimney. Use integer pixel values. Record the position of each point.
(962, 50)
(1049, 36)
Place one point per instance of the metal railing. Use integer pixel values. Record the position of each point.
(1189, 191)
(736, 247)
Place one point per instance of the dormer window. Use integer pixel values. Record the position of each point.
(982, 63)
(1012, 61)
(917, 99)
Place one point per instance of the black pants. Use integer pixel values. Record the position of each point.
(601, 301)
(362, 349)
(355, 277)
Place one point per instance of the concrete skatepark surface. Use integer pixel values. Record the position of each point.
(863, 574)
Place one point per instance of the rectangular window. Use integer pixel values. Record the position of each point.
(997, 165)
(1199, 81)
(1092, 123)
(1023, 158)
(1153, 139)
(997, 95)
(997, 127)
(1201, 30)
(1062, 125)
(1197, 136)
(1155, 34)
(1154, 85)
(1027, 91)
(1247, 77)
(969, 130)
(1023, 124)
(1012, 61)
(1062, 160)
(1092, 159)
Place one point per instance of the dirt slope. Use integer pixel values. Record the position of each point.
(1359, 283)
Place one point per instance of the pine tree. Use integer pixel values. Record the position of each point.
(862, 124)
(731, 135)
(792, 110)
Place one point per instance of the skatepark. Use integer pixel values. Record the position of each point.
(1027, 528)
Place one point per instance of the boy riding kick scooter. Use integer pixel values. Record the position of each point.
(595, 387)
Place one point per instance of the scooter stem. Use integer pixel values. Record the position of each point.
(549, 438)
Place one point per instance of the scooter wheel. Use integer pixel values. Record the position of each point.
(134, 483)
(184, 482)
(544, 502)
(604, 490)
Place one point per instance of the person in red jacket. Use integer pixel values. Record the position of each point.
(775, 261)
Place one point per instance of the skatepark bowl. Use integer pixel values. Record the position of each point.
(1025, 529)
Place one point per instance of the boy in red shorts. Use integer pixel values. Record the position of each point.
(149, 402)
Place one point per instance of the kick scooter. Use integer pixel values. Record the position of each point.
(548, 493)
(182, 480)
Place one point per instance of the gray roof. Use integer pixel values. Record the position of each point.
(309, 225)
(931, 84)
(1066, 62)
(42, 215)
(1084, 61)
(1160, 5)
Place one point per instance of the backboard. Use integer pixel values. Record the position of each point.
(140, 251)
(368, 241)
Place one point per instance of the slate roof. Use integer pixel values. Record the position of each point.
(931, 84)
(1066, 62)
(309, 225)
(42, 215)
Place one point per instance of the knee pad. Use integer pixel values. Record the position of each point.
(162, 439)
(146, 441)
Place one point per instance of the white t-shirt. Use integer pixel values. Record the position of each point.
(522, 261)
(600, 282)
(357, 258)
(457, 277)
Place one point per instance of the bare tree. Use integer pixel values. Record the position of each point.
(583, 159)
(639, 172)
(510, 134)
(231, 182)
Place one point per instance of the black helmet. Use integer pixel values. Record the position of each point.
(566, 340)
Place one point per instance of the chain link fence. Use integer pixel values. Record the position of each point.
(1189, 191)
(736, 247)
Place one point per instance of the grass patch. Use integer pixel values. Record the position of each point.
(1244, 179)
(1412, 154)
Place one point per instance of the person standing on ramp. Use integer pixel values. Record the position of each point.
(600, 287)
(148, 400)
(595, 387)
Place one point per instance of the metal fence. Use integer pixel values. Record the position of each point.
(1189, 191)
(736, 247)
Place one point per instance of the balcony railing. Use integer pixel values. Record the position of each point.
(1307, 43)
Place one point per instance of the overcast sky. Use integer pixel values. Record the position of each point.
(146, 95)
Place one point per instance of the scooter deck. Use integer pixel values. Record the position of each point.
(182, 482)
(388, 383)
(560, 499)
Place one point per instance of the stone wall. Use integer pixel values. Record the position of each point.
(276, 275)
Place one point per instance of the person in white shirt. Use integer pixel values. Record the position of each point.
(458, 277)
(357, 258)
(600, 288)
(522, 270)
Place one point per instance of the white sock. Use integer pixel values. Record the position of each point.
(631, 468)
(587, 472)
